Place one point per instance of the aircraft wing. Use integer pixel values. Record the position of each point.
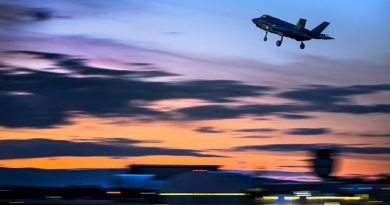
(281, 29)
(289, 32)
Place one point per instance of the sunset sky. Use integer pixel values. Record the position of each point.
(105, 84)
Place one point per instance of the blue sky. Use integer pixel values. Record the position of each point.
(224, 43)
(222, 28)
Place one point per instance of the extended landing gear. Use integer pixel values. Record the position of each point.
(279, 42)
(265, 37)
(302, 46)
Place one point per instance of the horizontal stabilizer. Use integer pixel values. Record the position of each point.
(320, 28)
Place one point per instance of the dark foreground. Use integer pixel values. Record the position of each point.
(230, 200)
(93, 202)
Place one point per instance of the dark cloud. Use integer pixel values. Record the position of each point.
(308, 131)
(217, 90)
(257, 130)
(40, 14)
(210, 112)
(36, 148)
(140, 64)
(294, 116)
(43, 55)
(55, 96)
(359, 109)
(309, 147)
(374, 135)
(80, 66)
(11, 14)
(208, 129)
(365, 150)
(322, 94)
(366, 134)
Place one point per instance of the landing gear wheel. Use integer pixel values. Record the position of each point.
(279, 43)
(302, 46)
(265, 39)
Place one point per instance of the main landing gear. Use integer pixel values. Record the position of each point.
(302, 46)
(279, 42)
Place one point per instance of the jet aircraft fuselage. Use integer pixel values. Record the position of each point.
(297, 32)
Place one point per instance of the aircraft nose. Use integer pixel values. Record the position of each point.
(254, 20)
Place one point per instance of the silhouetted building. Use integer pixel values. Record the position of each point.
(323, 162)
(162, 172)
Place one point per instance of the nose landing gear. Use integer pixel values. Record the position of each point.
(265, 37)
(302, 46)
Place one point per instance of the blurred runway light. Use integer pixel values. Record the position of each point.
(302, 193)
(347, 198)
(270, 198)
(332, 203)
(113, 192)
(290, 198)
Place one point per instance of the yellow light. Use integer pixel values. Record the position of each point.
(113, 192)
(334, 198)
(332, 203)
(202, 194)
(270, 197)
(291, 198)
(363, 196)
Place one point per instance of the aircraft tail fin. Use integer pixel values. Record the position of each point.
(301, 24)
(320, 28)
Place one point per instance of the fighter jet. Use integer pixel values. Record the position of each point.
(297, 32)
